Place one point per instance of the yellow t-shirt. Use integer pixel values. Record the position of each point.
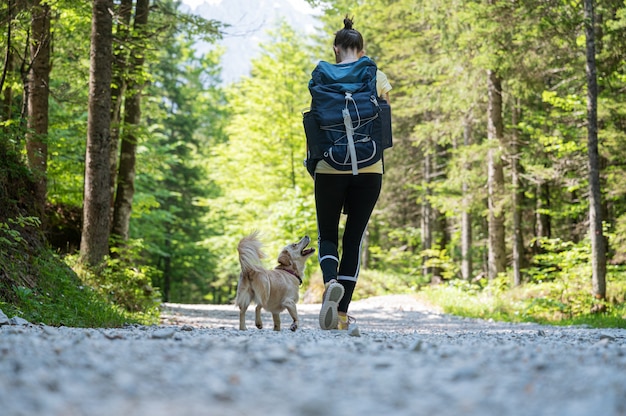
(324, 167)
(382, 83)
(382, 87)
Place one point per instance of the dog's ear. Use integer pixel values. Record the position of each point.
(284, 258)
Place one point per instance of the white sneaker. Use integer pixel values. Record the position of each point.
(328, 314)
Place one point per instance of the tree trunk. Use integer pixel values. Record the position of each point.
(497, 252)
(466, 218)
(440, 229)
(542, 206)
(167, 268)
(598, 247)
(94, 243)
(518, 196)
(7, 99)
(132, 117)
(439, 222)
(427, 218)
(7, 92)
(118, 84)
(38, 90)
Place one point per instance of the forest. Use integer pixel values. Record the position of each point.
(126, 163)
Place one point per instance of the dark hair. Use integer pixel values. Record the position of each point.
(348, 38)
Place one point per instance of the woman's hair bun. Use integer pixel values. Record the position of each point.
(347, 23)
(348, 37)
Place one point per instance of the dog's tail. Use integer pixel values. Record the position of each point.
(250, 253)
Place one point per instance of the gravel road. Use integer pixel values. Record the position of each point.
(406, 360)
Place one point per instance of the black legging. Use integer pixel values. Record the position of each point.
(357, 196)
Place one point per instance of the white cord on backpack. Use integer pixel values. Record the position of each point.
(356, 109)
(347, 121)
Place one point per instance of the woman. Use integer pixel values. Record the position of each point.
(356, 195)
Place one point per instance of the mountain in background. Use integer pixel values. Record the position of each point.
(249, 22)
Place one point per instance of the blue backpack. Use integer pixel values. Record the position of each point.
(348, 125)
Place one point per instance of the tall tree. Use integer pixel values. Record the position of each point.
(518, 195)
(428, 217)
(495, 177)
(466, 216)
(185, 113)
(132, 117)
(7, 67)
(38, 91)
(94, 245)
(598, 249)
(266, 143)
(121, 47)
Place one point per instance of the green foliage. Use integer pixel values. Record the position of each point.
(60, 298)
(558, 292)
(557, 260)
(38, 286)
(185, 115)
(440, 259)
(10, 236)
(378, 283)
(262, 182)
(123, 282)
(69, 78)
(400, 256)
(464, 299)
(214, 166)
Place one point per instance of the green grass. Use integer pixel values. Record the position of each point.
(59, 297)
(377, 283)
(530, 303)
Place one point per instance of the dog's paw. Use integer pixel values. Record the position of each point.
(293, 327)
(260, 326)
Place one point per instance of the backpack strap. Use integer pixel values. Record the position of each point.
(347, 121)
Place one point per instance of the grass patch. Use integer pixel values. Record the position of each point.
(557, 291)
(377, 283)
(60, 298)
(39, 286)
(545, 303)
(371, 283)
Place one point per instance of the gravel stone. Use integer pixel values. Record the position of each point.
(407, 360)
(4, 320)
(16, 320)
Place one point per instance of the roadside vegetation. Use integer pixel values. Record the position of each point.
(39, 286)
(546, 303)
(490, 204)
(557, 291)
(42, 287)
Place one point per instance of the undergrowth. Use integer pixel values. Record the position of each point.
(123, 282)
(556, 289)
(54, 295)
(529, 303)
(39, 286)
(562, 296)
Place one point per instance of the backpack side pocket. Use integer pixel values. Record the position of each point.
(381, 130)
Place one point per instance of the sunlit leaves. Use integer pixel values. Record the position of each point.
(259, 169)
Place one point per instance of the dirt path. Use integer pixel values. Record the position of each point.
(408, 360)
(389, 313)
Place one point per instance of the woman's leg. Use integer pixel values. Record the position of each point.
(329, 198)
(361, 198)
(330, 194)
